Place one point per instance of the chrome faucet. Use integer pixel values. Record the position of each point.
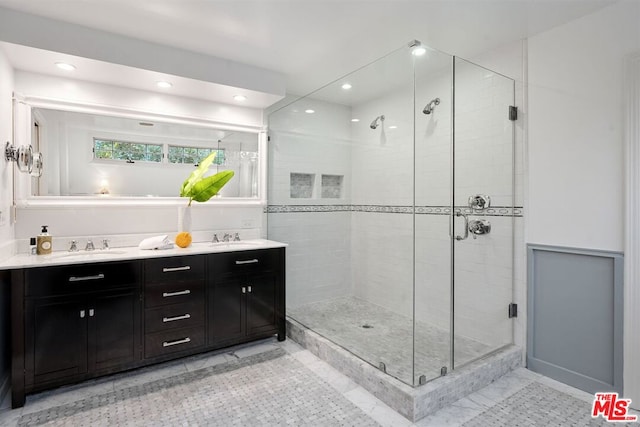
(236, 237)
(226, 237)
(89, 246)
(215, 238)
(74, 246)
(105, 244)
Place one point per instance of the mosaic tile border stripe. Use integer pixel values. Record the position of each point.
(516, 211)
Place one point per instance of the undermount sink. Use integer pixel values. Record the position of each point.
(88, 254)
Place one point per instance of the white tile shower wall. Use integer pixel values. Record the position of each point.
(318, 255)
(303, 143)
(382, 259)
(319, 252)
(6, 168)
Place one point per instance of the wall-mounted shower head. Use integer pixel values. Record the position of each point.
(374, 124)
(431, 105)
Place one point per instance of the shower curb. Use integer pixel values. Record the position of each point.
(412, 403)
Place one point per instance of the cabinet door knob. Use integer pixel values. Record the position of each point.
(82, 314)
(91, 312)
(249, 288)
(244, 290)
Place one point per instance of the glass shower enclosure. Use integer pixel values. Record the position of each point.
(394, 187)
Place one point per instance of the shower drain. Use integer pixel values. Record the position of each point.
(366, 326)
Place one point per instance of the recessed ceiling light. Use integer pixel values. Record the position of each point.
(164, 85)
(418, 50)
(346, 86)
(240, 98)
(393, 127)
(355, 120)
(309, 111)
(65, 66)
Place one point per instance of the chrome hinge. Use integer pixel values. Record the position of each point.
(513, 310)
(513, 113)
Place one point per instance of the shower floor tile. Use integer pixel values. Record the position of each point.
(378, 335)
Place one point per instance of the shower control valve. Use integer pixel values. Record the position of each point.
(479, 201)
(479, 227)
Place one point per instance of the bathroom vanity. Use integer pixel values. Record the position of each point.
(79, 317)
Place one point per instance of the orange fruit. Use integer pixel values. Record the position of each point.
(183, 239)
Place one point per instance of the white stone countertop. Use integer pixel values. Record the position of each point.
(131, 253)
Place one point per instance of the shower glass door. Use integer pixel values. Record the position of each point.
(483, 198)
(433, 191)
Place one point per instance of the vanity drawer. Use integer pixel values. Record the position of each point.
(173, 341)
(173, 293)
(81, 278)
(245, 261)
(174, 269)
(174, 316)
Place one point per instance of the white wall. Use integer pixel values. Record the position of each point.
(576, 141)
(575, 153)
(6, 168)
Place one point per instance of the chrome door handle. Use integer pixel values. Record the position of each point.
(173, 319)
(249, 261)
(466, 226)
(170, 343)
(170, 269)
(175, 294)
(84, 278)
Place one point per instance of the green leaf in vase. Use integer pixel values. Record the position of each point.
(208, 187)
(196, 175)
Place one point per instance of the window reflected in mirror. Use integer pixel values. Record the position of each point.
(91, 155)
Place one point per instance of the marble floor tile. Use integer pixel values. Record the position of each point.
(279, 383)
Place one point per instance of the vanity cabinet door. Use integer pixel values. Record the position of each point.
(114, 330)
(246, 296)
(227, 310)
(261, 303)
(56, 338)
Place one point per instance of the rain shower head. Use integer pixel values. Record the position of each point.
(430, 106)
(374, 124)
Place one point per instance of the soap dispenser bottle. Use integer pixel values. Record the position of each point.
(44, 242)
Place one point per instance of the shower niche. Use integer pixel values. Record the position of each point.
(403, 151)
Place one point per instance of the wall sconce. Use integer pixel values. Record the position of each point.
(28, 161)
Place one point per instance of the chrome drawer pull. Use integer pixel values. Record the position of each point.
(170, 343)
(175, 294)
(249, 261)
(170, 269)
(173, 319)
(83, 278)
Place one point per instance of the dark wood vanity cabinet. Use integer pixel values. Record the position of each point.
(174, 295)
(246, 296)
(74, 322)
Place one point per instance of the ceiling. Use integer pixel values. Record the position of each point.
(313, 42)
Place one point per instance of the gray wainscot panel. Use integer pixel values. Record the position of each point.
(575, 316)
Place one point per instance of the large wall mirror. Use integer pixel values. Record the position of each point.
(105, 156)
